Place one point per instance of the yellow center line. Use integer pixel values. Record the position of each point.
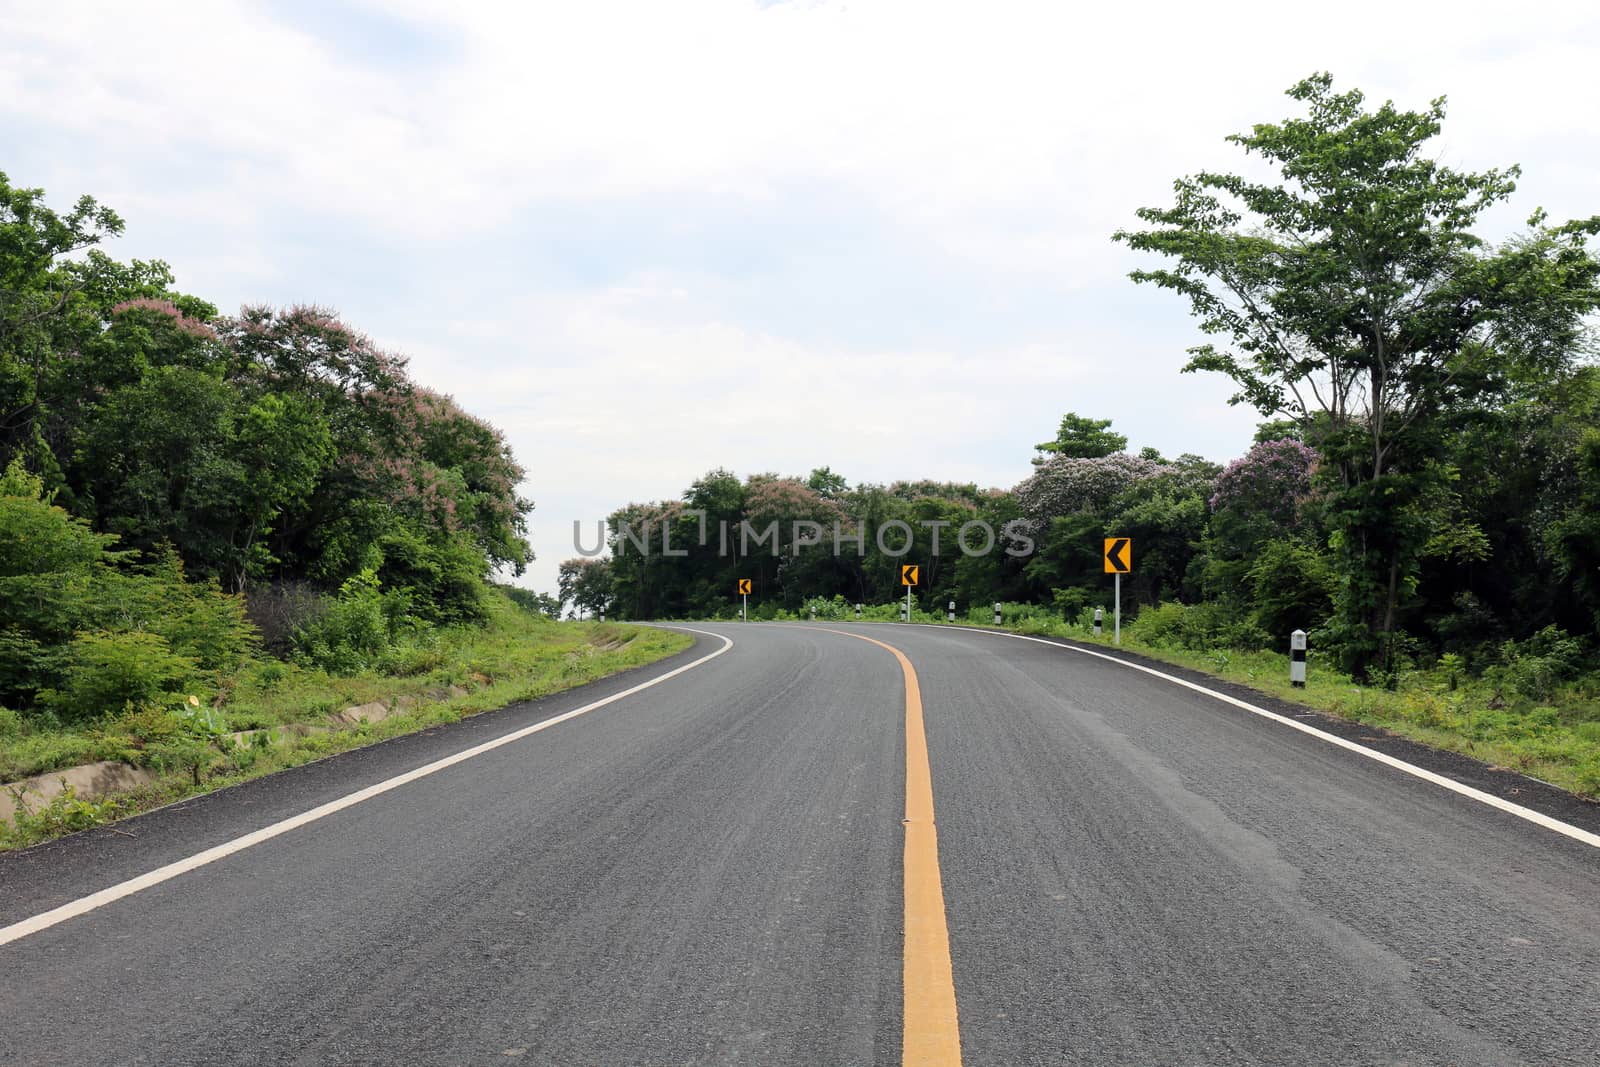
(930, 1035)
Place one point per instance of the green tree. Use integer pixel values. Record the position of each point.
(824, 482)
(585, 584)
(1084, 438)
(1359, 304)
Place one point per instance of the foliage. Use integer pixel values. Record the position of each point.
(1063, 485)
(585, 584)
(1199, 627)
(1291, 587)
(1359, 304)
(112, 672)
(164, 464)
(1534, 667)
(529, 600)
(358, 631)
(1081, 438)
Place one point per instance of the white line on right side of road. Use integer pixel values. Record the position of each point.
(72, 909)
(1538, 818)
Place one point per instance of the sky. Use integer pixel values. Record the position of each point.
(647, 239)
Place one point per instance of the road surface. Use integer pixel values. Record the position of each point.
(730, 867)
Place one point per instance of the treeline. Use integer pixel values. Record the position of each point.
(181, 484)
(1426, 481)
(1514, 551)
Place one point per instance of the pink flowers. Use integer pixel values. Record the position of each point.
(193, 327)
(1271, 477)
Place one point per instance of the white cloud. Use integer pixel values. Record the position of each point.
(985, 151)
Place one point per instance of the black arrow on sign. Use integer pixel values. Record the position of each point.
(1118, 555)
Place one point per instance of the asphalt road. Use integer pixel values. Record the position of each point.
(710, 871)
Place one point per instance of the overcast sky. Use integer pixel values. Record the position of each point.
(647, 239)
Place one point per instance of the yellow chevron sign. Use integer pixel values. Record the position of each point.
(1119, 555)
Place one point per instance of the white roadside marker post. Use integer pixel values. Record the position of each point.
(997, 613)
(1117, 634)
(1297, 659)
(1099, 621)
(952, 611)
(858, 612)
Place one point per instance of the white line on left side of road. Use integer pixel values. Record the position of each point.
(71, 910)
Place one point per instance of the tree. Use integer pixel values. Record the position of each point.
(1083, 438)
(1063, 485)
(824, 482)
(37, 297)
(585, 584)
(1359, 304)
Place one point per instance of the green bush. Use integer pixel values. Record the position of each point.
(1203, 627)
(835, 609)
(1535, 667)
(113, 672)
(197, 619)
(1291, 588)
(360, 629)
(443, 578)
(1161, 626)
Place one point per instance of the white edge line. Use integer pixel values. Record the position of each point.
(71, 910)
(1538, 818)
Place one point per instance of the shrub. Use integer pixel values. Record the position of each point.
(824, 608)
(197, 619)
(1534, 667)
(1161, 625)
(1291, 586)
(111, 672)
(280, 610)
(68, 813)
(1200, 627)
(358, 630)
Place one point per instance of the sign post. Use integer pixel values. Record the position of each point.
(744, 592)
(1118, 555)
(909, 573)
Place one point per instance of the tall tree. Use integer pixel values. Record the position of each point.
(1360, 304)
(1082, 438)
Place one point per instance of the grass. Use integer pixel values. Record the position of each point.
(518, 656)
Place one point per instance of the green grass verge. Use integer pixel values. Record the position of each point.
(517, 656)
